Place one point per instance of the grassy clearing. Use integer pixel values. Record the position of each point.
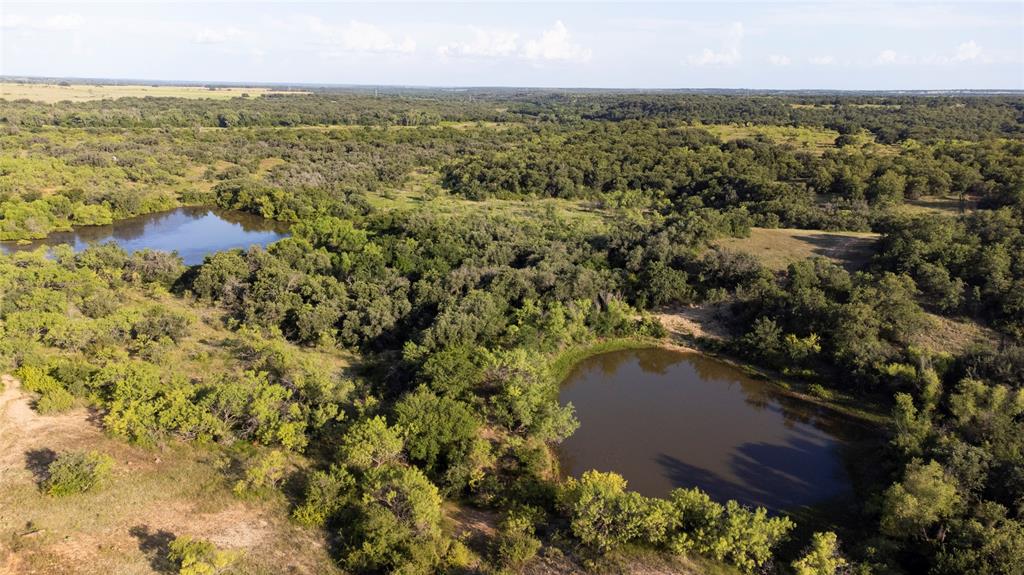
(944, 334)
(943, 206)
(816, 140)
(51, 93)
(422, 190)
(776, 248)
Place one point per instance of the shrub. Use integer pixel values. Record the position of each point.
(326, 494)
(732, 533)
(819, 391)
(822, 557)
(53, 397)
(55, 401)
(262, 475)
(515, 543)
(604, 515)
(158, 322)
(77, 472)
(199, 557)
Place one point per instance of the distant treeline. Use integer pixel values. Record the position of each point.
(890, 118)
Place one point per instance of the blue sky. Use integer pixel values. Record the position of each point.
(785, 45)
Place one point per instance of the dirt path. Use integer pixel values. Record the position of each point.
(22, 430)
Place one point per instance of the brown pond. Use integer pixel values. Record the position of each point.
(665, 419)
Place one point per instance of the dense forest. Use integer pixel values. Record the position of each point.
(400, 353)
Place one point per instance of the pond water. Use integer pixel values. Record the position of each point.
(194, 232)
(665, 419)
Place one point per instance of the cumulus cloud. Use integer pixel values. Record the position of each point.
(216, 36)
(485, 43)
(779, 60)
(12, 21)
(356, 36)
(967, 52)
(556, 44)
(728, 55)
(62, 22)
(886, 57)
(822, 60)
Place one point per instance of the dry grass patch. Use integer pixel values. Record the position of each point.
(51, 93)
(701, 322)
(125, 527)
(776, 248)
(943, 334)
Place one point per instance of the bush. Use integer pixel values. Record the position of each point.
(262, 475)
(819, 391)
(77, 472)
(55, 400)
(199, 557)
(515, 543)
(158, 322)
(822, 557)
(604, 515)
(732, 533)
(326, 494)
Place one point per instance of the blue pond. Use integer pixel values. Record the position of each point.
(193, 232)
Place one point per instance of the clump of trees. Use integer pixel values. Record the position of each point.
(604, 515)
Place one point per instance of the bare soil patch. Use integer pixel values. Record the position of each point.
(125, 527)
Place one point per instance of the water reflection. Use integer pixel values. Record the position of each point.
(194, 232)
(665, 419)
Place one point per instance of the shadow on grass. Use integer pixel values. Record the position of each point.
(155, 545)
(852, 252)
(38, 461)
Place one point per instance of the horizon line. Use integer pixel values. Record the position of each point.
(24, 78)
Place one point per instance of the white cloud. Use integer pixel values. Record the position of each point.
(779, 60)
(62, 22)
(886, 57)
(822, 60)
(556, 44)
(485, 43)
(891, 15)
(356, 36)
(216, 36)
(12, 21)
(730, 54)
(967, 52)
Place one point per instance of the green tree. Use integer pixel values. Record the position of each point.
(822, 557)
(917, 506)
(370, 444)
(439, 433)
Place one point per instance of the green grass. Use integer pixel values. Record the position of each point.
(776, 248)
(815, 140)
(566, 360)
(943, 206)
(422, 190)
